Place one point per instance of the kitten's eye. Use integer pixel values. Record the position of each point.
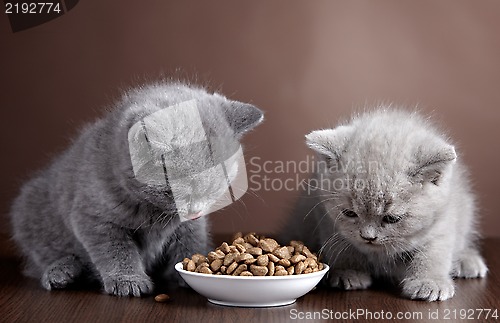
(349, 213)
(391, 219)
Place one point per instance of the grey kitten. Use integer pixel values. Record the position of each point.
(392, 201)
(91, 216)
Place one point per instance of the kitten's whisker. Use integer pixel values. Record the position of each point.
(140, 225)
(316, 205)
(325, 214)
(345, 248)
(333, 238)
(321, 189)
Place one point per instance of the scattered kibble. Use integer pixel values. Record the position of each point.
(162, 298)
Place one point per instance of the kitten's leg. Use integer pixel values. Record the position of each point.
(427, 277)
(349, 279)
(469, 265)
(116, 257)
(62, 272)
(347, 272)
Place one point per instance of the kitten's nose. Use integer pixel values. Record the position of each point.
(370, 239)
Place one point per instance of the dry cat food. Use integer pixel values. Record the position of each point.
(162, 298)
(254, 255)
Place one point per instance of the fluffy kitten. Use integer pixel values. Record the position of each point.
(392, 201)
(87, 216)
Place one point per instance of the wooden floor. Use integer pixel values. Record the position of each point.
(23, 300)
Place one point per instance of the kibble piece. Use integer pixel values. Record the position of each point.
(185, 262)
(224, 247)
(290, 270)
(291, 249)
(320, 266)
(299, 267)
(162, 298)
(211, 256)
(296, 258)
(271, 268)
(313, 264)
(258, 270)
(306, 252)
(202, 265)
(241, 268)
(297, 245)
(250, 261)
(310, 263)
(240, 247)
(280, 271)
(220, 254)
(203, 270)
(198, 258)
(191, 266)
(251, 239)
(256, 251)
(268, 244)
(229, 258)
(239, 240)
(273, 258)
(284, 262)
(231, 268)
(307, 271)
(216, 264)
(247, 245)
(246, 273)
(262, 260)
(243, 257)
(282, 253)
(223, 269)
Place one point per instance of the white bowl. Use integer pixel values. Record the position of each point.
(253, 291)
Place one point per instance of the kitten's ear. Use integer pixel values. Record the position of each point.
(243, 117)
(329, 142)
(433, 163)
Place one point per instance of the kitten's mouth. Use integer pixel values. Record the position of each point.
(371, 244)
(194, 216)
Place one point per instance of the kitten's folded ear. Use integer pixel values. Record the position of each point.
(329, 142)
(243, 117)
(432, 163)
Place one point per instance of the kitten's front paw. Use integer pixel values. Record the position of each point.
(349, 279)
(128, 285)
(61, 273)
(428, 289)
(470, 266)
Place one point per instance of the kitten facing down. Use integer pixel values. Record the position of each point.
(392, 201)
(107, 209)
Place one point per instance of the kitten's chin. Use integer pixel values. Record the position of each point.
(370, 247)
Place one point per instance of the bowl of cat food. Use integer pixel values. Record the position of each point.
(253, 271)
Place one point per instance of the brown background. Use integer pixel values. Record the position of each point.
(308, 64)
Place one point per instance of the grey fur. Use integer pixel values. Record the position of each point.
(390, 162)
(87, 217)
